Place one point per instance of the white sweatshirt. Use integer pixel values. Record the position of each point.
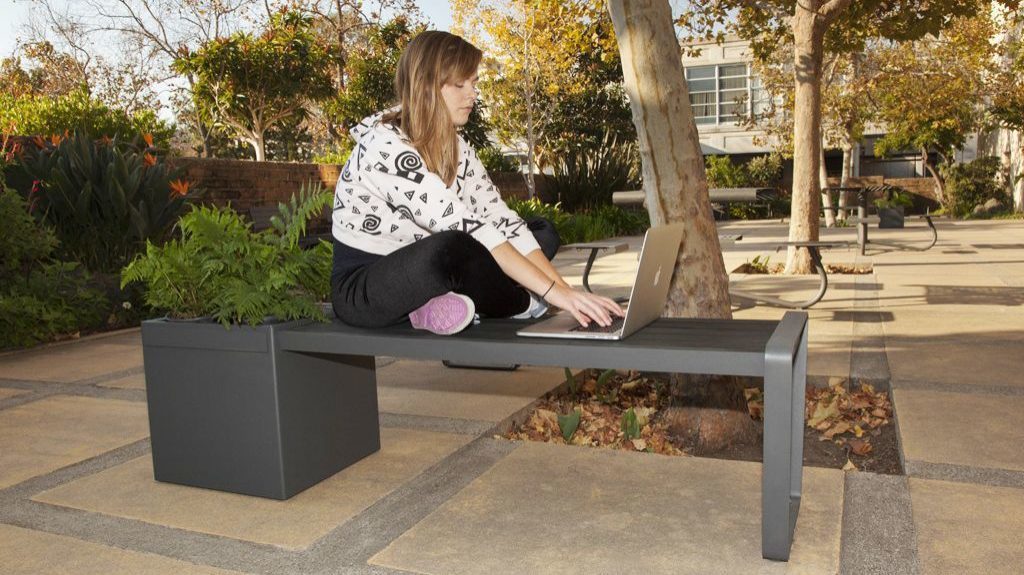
(386, 198)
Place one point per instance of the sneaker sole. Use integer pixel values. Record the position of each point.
(421, 319)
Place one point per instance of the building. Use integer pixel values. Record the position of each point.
(722, 73)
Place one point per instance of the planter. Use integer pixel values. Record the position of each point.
(890, 217)
(225, 405)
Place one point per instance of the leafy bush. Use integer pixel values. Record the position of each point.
(104, 199)
(222, 269)
(972, 183)
(585, 177)
(760, 172)
(584, 226)
(44, 116)
(338, 155)
(496, 162)
(39, 298)
(895, 197)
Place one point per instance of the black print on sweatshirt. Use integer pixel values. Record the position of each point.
(370, 224)
(406, 165)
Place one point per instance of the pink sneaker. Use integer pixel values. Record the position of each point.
(445, 314)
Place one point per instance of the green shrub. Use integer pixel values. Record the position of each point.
(972, 183)
(46, 116)
(220, 268)
(585, 177)
(104, 199)
(722, 173)
(584, 226)
(338, 155)
(495, 162)
(39, 299)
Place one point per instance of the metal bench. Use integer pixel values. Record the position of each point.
(720, 197)
(616, 246)
(273, 410)
(819, 268)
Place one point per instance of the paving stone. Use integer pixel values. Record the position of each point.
(562, 509)
(968, 359)
(72, 362)
(129, 491)
(133, 381)
(429, 388)
(45, 435)
(828, 354)
(961, 428)
(964, 528)
(1002, 325)
(6, 392)
(27, 552)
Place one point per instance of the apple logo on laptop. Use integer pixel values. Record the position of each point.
(657, 276)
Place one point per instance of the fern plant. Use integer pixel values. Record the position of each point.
(221, 268)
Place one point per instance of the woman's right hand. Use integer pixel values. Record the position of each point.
(583, 305)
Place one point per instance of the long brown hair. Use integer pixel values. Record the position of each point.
(431, 60)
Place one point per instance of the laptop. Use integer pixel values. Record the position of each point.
(646, 300)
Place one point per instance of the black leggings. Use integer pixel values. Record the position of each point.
(385, 291)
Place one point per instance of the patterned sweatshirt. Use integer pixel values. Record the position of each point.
(386, 198)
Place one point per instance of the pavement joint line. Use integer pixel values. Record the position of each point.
(110, 376)
(965, 474)
(349, 547)
(874, 543)
(31, 487)
(46, 390)
(966, 388)
(452, 425)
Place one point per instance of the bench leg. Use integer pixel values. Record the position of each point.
(781, 482)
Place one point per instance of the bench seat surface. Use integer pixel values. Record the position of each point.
(727, 347)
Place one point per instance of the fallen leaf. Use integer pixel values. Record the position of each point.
(841, 427)
(858, 431)
(629, 385)
(860, 446)
(639, 444)
(849, 466)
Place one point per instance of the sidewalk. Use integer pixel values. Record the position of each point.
(944, 328)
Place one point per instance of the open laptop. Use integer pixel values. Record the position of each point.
(646, 300)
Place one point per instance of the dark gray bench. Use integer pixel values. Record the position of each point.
(720, 197)
(273, 410)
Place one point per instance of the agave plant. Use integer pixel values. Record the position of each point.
(104, 199)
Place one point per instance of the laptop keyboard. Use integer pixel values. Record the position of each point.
(594, 327)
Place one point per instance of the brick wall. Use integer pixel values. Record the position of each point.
(245, 183)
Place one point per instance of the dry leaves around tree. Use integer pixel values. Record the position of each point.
(621, 410)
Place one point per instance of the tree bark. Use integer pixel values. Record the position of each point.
(826, 198)
(676, 190)
(940, 189)
(808, 46)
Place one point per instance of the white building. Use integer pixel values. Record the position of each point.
(722, 72)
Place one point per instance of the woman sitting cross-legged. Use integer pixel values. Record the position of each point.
(420, 232)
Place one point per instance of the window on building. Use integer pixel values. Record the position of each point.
(724, 93)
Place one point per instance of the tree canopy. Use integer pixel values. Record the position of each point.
(248, 83)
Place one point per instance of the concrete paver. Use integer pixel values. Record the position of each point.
(563, 509)
(6, 392)
(963, 528)
(129, 491)
(429, 388)
(45, 435)
(961, 429)
(71, 362)
(27, 552)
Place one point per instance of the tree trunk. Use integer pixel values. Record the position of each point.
(259, 144)
(844, 180)
(676, 190)
(940, 191)
(808, 35)
(826, 197)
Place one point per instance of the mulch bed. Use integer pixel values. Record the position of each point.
(777, 269)
(847, 426)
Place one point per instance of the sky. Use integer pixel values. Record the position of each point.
(14, 13)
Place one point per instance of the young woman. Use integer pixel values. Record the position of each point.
(420, 231)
